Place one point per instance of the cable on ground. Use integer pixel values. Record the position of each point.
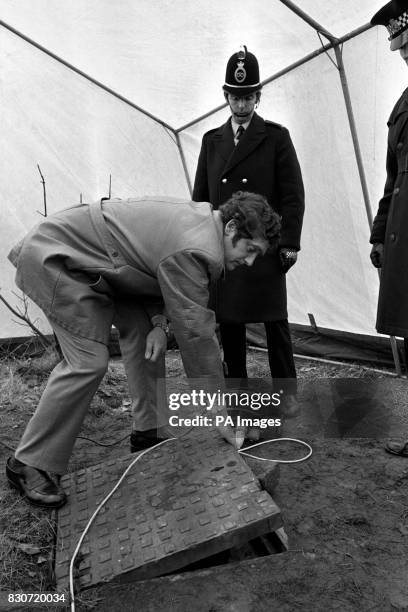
(103, 502)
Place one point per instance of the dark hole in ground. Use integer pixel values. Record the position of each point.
(268, 544)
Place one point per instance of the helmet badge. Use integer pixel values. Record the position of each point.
(240, 72)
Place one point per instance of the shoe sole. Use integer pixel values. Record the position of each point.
(397, 453)
(17, 487)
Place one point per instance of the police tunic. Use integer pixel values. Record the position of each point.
(391, 228)
(263, 162)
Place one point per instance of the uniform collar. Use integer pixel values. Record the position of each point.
(235, 125)
(400, 107)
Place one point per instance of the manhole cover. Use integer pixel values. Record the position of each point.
(182, 502)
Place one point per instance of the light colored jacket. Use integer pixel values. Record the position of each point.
(156, 251)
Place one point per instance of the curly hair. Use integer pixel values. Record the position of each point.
(253, 216)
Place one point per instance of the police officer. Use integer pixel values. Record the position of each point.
(390, 228)
(248, 152)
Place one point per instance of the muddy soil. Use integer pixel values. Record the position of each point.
(345, 509)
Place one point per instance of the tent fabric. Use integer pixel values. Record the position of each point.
(168, 58)
(333, 345)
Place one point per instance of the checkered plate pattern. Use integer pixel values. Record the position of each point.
(186, 500)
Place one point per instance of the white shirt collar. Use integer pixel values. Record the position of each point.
(235, 125)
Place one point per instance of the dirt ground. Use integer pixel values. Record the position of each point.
(345, 509)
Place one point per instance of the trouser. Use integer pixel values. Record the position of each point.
(280, 353)
(50, 435)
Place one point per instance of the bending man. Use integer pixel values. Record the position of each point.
(133, 263)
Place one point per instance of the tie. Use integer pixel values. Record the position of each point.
(239, 133)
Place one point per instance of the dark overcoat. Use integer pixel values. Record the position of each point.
(263, 162)
(391, 228)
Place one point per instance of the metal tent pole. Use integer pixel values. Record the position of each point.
(183, 160)
(309, 20)
(282, 72)
(84, 74)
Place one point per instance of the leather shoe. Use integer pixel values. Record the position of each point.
(140, 440)
(35, 485)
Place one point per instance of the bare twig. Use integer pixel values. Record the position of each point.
(10, 448)
(24, 317)
(44, 193)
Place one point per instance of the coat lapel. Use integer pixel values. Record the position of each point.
(399, 118)
(224, 140)
(400, 107)
(255, 133)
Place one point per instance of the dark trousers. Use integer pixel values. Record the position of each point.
(280, 354)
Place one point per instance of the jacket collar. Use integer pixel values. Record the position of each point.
(233, 155)
(225, 140)
(254, 134)
(400, 107)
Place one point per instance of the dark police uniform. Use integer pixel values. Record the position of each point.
(264, 161)
(389, 233)
(390, 225)
(391, 228)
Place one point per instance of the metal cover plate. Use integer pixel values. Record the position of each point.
(182, 502)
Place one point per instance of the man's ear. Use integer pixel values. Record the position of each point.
(226, 97)
(230, 228)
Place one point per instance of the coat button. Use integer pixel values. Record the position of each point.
(399, 146)
(115, 253)
(392, 237)
(396, 191)
(244, 180)
(224, 180)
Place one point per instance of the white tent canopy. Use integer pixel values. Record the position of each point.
(127, 89)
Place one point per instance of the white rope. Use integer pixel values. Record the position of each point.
(91, 520)
(244, 452)
(103, 502)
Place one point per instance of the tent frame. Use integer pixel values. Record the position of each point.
(334, 43)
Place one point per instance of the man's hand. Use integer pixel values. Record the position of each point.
(235, 438)
(156, 344)
(288, 258)
(377, 254)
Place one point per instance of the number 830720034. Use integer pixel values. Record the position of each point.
(36, 598)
